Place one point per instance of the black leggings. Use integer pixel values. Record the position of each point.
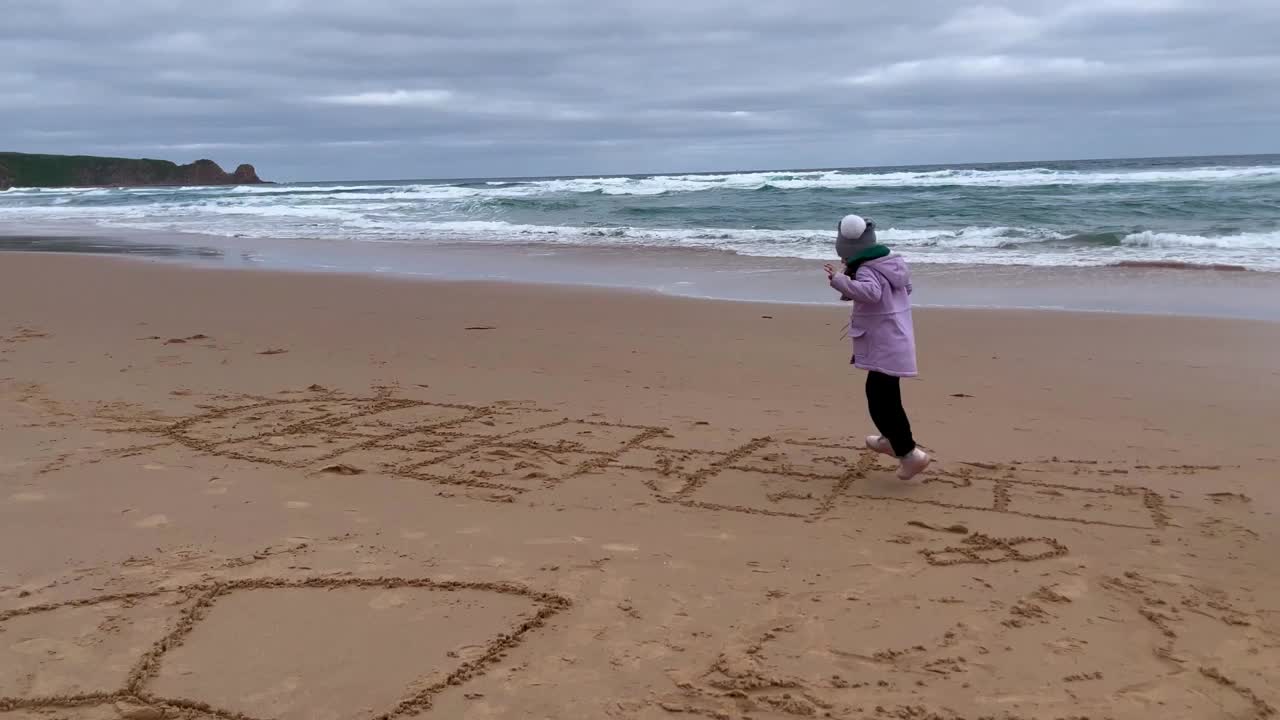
(884, 400)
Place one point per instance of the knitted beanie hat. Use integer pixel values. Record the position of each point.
(853, 235)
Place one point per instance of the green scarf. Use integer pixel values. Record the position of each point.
(874, 252)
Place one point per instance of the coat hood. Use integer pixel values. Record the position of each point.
(894, 269)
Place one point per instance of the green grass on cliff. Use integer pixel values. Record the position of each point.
(29, 170)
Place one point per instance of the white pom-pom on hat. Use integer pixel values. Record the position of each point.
(852, 227)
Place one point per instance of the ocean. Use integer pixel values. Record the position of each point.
(1198, 211)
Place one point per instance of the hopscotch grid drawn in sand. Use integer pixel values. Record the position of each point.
(1000, 487)
(202, 598)
(495, 448)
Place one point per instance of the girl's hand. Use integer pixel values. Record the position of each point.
(831, 271)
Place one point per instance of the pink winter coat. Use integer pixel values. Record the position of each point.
(880, 326)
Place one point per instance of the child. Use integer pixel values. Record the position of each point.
(879, 284)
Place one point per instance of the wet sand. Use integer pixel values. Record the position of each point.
(229, 494)
(1145, 289)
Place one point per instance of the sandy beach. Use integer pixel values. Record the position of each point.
(247, 495)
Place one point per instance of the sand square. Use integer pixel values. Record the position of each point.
(972, 493)
(667, 463)
(391, 422)
(403, 454)
(748, 490)
(379, 459)
(1080, 504)
(701, 439)
(80, 650)
(433, 442)
(260, 651)
(508, 465)
(582, 437)
(253, 422)
(807, 459)
(293, 450)
(505, 422)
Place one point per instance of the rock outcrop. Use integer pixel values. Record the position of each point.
(245, 175)
(27, 170)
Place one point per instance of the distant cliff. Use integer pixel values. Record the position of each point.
(26, 170)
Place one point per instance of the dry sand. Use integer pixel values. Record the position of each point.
(229, 494)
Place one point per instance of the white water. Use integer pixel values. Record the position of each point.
(1045, 216)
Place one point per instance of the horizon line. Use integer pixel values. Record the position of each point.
(834, 168)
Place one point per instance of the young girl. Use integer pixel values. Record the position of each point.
(879, 284)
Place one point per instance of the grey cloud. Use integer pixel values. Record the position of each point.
(394, 88)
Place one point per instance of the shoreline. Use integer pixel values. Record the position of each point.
(1156, 289)
(188, 262)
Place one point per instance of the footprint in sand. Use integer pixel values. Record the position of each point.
(25, 497)
(615, 547)
(297, 504)
(154, 521)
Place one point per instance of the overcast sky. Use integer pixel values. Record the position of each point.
(380, 89)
